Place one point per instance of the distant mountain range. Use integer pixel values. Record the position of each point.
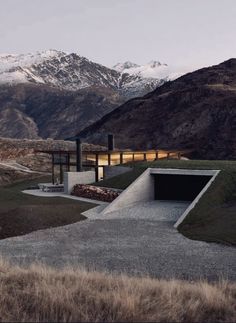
(74, 72)
(196, 111)
(55, 94)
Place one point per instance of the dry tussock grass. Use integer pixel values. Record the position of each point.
(40, 293)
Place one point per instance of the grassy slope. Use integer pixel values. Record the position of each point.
(214, 217)
(21, 213)
(121, 181)
(43, 294)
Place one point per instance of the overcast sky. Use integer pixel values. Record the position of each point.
(177, 32)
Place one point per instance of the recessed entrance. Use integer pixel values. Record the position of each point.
(166, 185)
(178, 187)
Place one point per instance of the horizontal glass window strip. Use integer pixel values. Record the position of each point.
(115, 159)
(127, 158)
(150, 156)
(103, 160)
(162, 155)
(89, 159)
(139, 157)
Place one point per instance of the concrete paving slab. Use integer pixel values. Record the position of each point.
(155, 210)
(40, 193)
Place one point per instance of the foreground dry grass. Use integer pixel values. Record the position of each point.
(44, 294)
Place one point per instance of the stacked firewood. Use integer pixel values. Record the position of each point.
(94, 192)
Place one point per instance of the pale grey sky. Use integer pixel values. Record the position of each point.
(178, 32)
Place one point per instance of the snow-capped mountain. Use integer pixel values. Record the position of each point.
(56, 94)
(124, 67)
(74, 72)
(56, 68)
(146, 77)
(154, 70)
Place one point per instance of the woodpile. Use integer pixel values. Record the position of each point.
(94, 192)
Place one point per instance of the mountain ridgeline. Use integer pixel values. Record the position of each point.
(74, 72)
(55, 94)
(196, 111)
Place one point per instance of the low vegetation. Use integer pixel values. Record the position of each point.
(42, 294)
(214, 217)
(122, 181)
(22, 213)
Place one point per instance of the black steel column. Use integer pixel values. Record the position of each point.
(96, 167)
(61, 169)
(96, 160)
(78, 155)
(53, 175)
(68, 162)
(110, 144)
(61, 173)
(96, 174)
(121, 158)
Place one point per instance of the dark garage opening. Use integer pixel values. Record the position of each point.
(178, 187)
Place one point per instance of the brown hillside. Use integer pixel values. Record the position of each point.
(196, 111)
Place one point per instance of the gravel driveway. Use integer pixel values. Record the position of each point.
(137, 240)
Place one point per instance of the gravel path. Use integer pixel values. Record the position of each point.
(127, 241)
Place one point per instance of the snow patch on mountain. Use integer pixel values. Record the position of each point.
(55, 68)
(120, 67)
(73, 72)
(9, 61)
(152, 70)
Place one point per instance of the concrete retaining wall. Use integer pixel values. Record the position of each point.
(111, 171)
(196, 200)
(141, 190)
(73, 178)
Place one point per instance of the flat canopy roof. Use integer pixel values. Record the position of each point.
(101, 152)
(181, 171)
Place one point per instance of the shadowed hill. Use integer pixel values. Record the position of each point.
(196, 111)
(40, 111)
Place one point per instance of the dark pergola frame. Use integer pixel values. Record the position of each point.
(63, 158)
